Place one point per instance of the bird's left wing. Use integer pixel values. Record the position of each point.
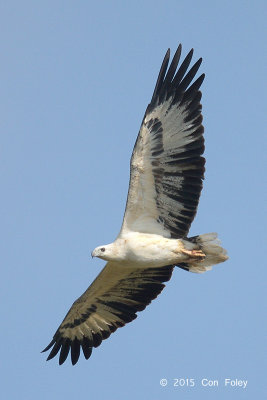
(110, 302)
(166, 165)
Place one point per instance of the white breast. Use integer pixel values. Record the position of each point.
(150, 250)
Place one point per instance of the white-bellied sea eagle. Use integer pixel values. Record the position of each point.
(167, 170)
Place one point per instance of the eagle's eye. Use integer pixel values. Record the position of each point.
(102, 249)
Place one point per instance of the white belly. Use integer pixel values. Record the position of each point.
(146, 249)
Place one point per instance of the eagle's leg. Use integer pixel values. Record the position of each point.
(190, 250)
(198, 254)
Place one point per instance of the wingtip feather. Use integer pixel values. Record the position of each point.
(49, 346)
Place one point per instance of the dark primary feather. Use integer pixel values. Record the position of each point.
(162, 72)
(115, 304)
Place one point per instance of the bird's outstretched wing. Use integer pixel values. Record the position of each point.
(110, 302)
(166, 165)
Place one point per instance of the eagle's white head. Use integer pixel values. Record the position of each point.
(106, 252)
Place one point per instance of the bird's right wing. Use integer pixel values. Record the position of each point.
(110, 302)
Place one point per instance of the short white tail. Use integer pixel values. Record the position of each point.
(210, 245)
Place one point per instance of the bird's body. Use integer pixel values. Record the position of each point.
(150, 250)
(144, 250)
(167, 170)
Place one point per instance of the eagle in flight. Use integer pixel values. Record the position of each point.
(166, 174)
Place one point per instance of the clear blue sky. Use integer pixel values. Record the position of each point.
(75, 81)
